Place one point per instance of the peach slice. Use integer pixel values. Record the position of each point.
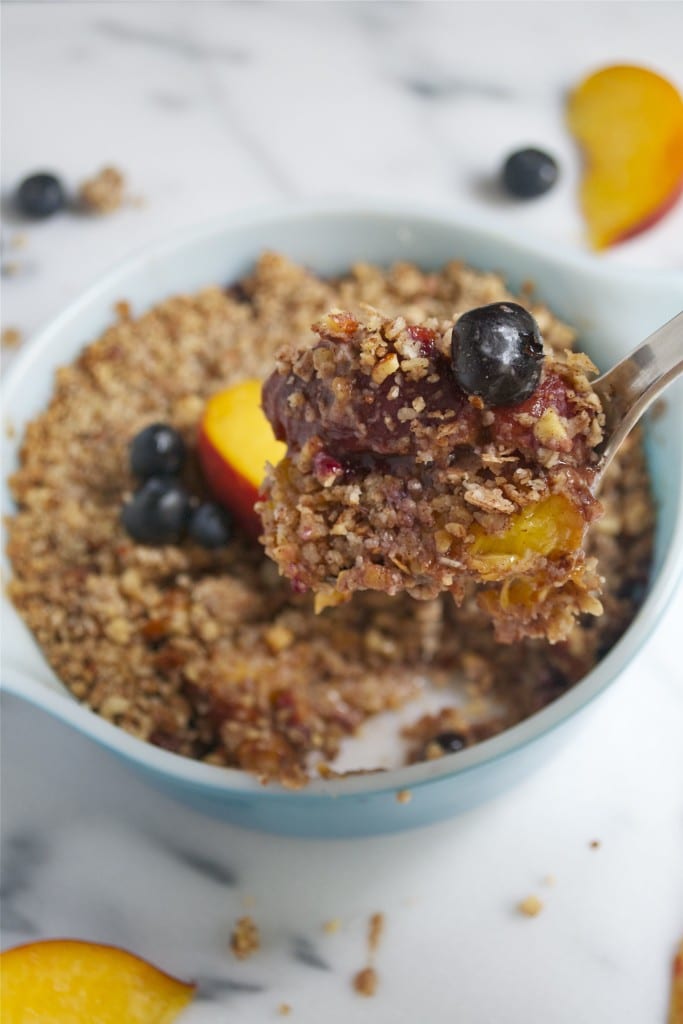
(629, 122)
(62, 980)
(235, 443)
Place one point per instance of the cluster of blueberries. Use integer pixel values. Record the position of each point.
(161, 511)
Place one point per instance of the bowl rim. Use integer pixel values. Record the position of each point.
(230, 782)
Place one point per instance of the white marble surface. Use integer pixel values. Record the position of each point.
(211, 107)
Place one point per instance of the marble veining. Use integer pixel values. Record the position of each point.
(170, 42)
(211, 108)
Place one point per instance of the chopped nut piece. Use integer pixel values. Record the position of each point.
(384, 368)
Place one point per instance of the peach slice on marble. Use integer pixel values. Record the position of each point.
(64, 980)
(629, 123)
(235, 442)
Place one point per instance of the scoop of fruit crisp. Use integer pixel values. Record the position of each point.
(432, 457)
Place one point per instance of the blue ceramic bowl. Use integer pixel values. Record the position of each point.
(613, 309)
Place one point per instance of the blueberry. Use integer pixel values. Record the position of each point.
(497, 353)
(450, 742)
(40, 195)
(529, 172)
(158, 450)
(211, 525)
(158, 513)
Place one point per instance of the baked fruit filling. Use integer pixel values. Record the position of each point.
(432, 457)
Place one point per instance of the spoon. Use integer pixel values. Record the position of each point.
(630, 387)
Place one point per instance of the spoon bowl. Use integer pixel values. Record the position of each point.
(628, 390)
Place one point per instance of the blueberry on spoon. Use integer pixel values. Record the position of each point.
(497, 353)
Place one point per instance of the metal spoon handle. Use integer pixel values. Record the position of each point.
(632, 385)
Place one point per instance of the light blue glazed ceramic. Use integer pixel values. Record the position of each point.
(613, 309)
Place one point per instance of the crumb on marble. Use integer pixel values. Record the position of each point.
(123, 310)
(10, 268)
(404, 796)
(104, 192)
(10, 430)
(549, 879)
(284, 1009)
(676, 998)
(332, 926)
(531, 906)
(365, 982)
(245, 939)
(595, 844)
(19, 241)
(375, 932)
(11, 337)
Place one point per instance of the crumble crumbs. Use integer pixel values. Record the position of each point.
(404, 796)
(531, 906)
(595, 844)
(104, 192)
(366, 980)
(332, 926)
(284, 1009)
(245, 939)
(375, 932)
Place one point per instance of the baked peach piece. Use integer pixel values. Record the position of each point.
(234, 444)
(397, 479)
